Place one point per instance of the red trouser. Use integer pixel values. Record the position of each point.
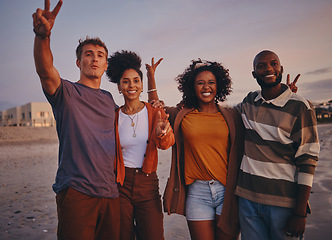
(141, 210)
(84, 217)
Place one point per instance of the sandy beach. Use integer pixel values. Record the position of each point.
(28, 163)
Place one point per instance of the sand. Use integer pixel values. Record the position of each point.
(28, 163)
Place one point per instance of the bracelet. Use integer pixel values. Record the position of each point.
(300, 216)
(41, 36)
(152, 90)
(163, 134)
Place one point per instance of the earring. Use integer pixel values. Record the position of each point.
(120, 92)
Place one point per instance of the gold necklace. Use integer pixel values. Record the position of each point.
(134, 126)
(132, 119)
(135, 110)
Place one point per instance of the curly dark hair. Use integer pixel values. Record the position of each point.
(121, 61)
(186, 81)
(94, 41)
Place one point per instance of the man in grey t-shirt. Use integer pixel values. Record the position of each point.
(87, 195)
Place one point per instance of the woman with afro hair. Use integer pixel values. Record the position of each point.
(140, 129)
(207, 152)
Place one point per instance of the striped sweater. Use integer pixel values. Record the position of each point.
(281, 147)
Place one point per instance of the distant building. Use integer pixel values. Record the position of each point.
(34, 114)
(324, 111)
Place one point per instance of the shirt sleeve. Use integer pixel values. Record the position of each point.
(305, 137)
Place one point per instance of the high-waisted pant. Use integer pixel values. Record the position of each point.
(140, 206)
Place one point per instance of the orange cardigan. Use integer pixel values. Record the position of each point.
(151, 154)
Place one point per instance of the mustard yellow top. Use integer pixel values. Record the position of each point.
(206, 146)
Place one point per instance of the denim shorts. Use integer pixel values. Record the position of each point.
(204, 200)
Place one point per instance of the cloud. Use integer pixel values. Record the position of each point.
(317, 85)
(320, 71)
(320, 90)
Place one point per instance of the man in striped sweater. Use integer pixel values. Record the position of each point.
(281, 153)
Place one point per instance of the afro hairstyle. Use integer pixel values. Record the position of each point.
(121, 61)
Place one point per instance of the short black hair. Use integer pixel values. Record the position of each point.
(262, 53)
(186, 81)
(121, 61)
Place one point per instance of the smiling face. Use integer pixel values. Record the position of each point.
(205, 87)
(267, 69)
(131, 84)
(93, 62)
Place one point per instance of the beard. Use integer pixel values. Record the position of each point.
(263, 84)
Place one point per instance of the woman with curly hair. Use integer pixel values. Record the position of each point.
(207, 152)
(140, 129)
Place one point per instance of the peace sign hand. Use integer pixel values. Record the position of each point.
(43, 20)
(163, 126)
(292, 85)
(152, 68)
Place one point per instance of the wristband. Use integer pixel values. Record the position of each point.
(152, 90)
(163, 134)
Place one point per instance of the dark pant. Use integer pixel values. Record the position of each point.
(84, 217)
(141, 211)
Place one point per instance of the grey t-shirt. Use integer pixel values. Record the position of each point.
(85, 126)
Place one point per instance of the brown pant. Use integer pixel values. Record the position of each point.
(84, 217)
(141, 211)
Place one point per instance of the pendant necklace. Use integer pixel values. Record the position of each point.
(132, 120)
(134, 126)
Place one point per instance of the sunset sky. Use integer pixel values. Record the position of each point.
(230, 32)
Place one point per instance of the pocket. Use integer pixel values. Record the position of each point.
(147, 187)
(61, 196)
(150, 180)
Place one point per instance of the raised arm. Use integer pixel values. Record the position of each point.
(153, 97)
(43, 22)
(152, 88)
